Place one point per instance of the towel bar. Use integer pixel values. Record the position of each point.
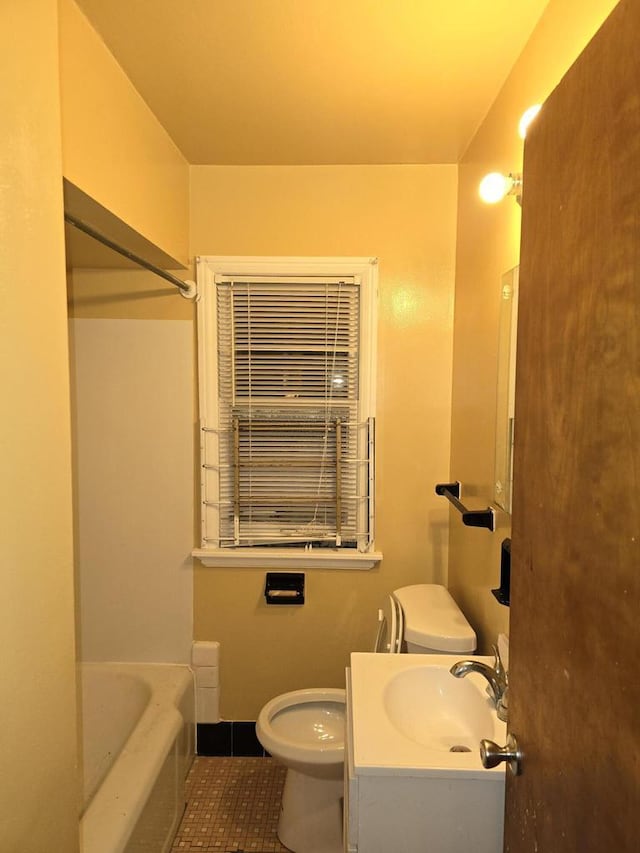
(471, 517)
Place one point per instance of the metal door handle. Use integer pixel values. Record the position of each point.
(491, 754)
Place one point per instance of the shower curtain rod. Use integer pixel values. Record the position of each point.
(187, 288)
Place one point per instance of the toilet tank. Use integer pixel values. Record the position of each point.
(433, 622)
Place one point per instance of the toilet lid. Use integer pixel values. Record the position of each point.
(433, 620)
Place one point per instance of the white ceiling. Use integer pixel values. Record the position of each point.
(317, 81)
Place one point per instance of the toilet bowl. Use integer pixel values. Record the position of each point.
(304, 730)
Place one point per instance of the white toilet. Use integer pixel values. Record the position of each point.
(305, 729)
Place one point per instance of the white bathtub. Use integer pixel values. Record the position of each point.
(137, 745)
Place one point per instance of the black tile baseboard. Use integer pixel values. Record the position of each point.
(244, 741)
(236, 738)
(213, 739)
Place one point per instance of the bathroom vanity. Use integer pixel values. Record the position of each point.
(414, 782)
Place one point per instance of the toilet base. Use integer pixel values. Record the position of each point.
(311, 814)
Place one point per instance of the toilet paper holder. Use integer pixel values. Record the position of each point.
(284, 588)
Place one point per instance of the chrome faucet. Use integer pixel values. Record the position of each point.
(496, 675)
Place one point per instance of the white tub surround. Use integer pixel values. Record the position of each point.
(137, 745)
(132, 384)
(205, 661)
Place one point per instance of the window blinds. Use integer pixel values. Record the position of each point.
(293, 458)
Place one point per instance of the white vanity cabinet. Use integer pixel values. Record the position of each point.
(416, 810)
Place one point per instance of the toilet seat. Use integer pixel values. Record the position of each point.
(304, 726)
(390, 632)
(304, 729)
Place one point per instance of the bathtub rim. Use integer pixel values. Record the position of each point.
(111, 816)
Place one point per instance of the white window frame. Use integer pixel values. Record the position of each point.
(364, 270)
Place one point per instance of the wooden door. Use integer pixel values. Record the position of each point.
(575, 615)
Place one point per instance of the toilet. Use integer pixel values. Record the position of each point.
(304, 729)
(433, 622)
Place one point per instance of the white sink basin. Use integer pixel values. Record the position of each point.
(410, 715)
(431, 707)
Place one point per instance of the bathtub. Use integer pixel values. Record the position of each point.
(137, 744)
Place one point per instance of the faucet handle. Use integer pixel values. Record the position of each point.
(501, 672)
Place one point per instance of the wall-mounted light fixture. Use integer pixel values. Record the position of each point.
(495, 186)
(526, 118)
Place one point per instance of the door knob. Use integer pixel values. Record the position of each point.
(491, 754)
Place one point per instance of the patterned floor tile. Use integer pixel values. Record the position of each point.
(233, 804)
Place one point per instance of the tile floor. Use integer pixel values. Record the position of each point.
(233, 804)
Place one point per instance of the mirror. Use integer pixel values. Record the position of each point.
(508, 326)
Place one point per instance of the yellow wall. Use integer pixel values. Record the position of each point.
(126, 294)
(488, 245)
(37, 683)
(404, 215)
(114, 148)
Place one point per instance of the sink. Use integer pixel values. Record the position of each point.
(431, 707)
(414, 779)
(410, 715)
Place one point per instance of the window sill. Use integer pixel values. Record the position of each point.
(285, 558)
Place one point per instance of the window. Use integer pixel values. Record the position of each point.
(286, 355)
